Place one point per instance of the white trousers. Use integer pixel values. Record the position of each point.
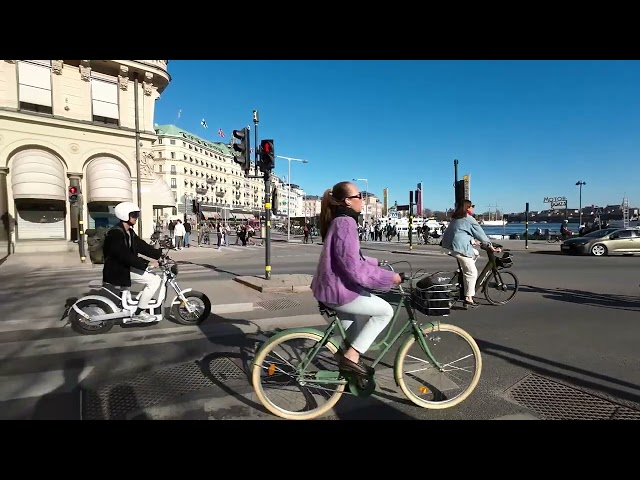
(151, 284)
(365, 318)
(469, 271)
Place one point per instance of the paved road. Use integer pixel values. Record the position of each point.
(574, 321)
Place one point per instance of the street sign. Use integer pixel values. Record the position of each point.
(559, 204)
(554, 199)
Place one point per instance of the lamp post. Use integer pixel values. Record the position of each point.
(290, 159)
(366, 196)
(580, 183)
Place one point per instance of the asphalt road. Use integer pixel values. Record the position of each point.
(574, 321)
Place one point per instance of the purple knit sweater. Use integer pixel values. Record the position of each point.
(342, 273)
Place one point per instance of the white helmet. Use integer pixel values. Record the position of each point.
(123, 210)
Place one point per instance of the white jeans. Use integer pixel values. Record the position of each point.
(470, 271)
(151, 283)
(366, 317)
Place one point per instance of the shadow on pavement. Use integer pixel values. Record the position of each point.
(561, 371)
(581, 297)
(62, 403)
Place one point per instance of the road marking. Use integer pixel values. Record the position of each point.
(82, 343)
(26, 385)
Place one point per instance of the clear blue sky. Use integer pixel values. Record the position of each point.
(523, 130)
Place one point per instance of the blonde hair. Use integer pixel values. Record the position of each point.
(331, 199)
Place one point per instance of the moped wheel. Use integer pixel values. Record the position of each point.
(492, 290)
(274, 375)
(92, 308)
(197, 301)
(431, 387)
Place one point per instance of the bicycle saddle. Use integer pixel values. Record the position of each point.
(324, 310)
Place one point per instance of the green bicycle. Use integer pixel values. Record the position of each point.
(312, 370)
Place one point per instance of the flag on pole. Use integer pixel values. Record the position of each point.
(220, 132)
(203, 123)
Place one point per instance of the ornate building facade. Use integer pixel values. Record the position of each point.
(75, 123)
(202, 170)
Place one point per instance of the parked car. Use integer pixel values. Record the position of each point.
(604, 242)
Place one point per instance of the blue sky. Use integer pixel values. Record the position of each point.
(523, 130)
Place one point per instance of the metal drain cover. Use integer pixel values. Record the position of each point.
(552, 400)
(116, 400)
(278, 304)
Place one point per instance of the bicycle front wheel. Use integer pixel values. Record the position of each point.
(280, 387)
(435, 388)
(502, 289)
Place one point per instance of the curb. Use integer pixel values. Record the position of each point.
(273, 286)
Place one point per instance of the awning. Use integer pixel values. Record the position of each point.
(108, 180)
(37, 174)
(161, 194)
(212, 215)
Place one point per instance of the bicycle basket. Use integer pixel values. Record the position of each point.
(505, 261)
(432, 295)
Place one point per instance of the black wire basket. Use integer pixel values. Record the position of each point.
(432, 295)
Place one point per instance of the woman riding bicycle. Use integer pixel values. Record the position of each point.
(460, 236)
(343, 274)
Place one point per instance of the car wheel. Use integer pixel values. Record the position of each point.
(599, 250)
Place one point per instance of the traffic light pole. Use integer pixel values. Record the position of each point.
(83, 255)
(267, 221)
(411, 220)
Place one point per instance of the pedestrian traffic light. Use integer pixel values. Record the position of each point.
(242, 149)
(267, 156)
(274, 201)
(73, 194)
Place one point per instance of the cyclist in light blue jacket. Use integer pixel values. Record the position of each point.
(460, 237)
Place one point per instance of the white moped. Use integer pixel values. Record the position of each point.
(107, 304)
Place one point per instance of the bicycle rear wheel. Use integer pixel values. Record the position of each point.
(274, 370)
(424, 383)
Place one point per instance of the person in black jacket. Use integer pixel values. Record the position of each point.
(122, 265)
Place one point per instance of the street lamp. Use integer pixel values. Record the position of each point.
(580, 183)
(366, 196)
(290, 159)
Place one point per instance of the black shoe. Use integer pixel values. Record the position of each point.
(360, 369)
(470, 304)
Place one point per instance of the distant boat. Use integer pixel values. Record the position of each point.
(492, 223)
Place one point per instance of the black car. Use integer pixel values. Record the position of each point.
(582, 245)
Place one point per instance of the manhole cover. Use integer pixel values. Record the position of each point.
(117, 400)
(278, 304)
(551, 400)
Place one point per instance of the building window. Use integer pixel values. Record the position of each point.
(104, 99)
(173, 169)
(174, 183)
(173, 155)
(159, 141)
(34, 90)
(172, 142)
(160, 168)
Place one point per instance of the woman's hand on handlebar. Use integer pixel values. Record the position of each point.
(398, 278)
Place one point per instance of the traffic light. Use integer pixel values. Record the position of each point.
(274, 201)
(267, 156)
(242, 150)
(73, 194)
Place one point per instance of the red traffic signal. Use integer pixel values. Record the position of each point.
(73, 194)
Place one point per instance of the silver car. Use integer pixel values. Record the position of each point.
(605, 242)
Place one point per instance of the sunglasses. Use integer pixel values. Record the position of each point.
(359, 195)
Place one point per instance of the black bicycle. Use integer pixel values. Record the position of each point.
(493, 280)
